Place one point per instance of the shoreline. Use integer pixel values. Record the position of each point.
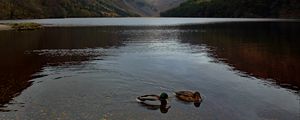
(143, 21)
(5, 27)
(21, 26)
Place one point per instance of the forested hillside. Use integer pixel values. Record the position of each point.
(22, 9)
(148, 7)
(237, 8)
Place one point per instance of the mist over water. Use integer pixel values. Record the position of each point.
(244, 70)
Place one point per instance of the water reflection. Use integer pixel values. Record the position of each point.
(24, 54)
(164, 108)
(196, 104)
(264, 50)
(16, 74)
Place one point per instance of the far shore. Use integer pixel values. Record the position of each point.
(32, 24)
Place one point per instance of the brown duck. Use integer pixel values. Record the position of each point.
(189, 96)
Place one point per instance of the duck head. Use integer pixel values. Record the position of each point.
(197, 96)
(163, 96)
(198, 99)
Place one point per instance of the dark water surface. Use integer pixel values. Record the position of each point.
(244, 71)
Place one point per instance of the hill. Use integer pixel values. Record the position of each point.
(148, 7)
(28, 9)
(237, 8)
(22, 9)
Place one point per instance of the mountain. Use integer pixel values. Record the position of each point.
(22, 9)
(237, 8)
(148, 7)
(25, 9)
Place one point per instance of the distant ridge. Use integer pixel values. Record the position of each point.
(237, 9)
(28, 9)
(23, 9)
(148, 7)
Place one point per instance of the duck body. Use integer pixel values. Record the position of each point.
(152, 100)
(188, 96)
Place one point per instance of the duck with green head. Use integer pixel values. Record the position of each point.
(154, 102)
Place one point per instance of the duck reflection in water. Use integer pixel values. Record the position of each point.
(155, 102)
(188, 97)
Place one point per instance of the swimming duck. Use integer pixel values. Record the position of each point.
(188, 96)
(153, 99)
(154, 102)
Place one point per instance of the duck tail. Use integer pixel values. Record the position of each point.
(138, 99)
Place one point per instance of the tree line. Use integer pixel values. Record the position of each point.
(237, 8)
(22, 9)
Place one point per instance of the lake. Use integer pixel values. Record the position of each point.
(95, 68)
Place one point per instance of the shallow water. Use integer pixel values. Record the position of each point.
(244, 70)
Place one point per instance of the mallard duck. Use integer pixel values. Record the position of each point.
(154, 102)
(188, 96)
(153, 99)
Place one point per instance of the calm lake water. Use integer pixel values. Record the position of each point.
(245, 69)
